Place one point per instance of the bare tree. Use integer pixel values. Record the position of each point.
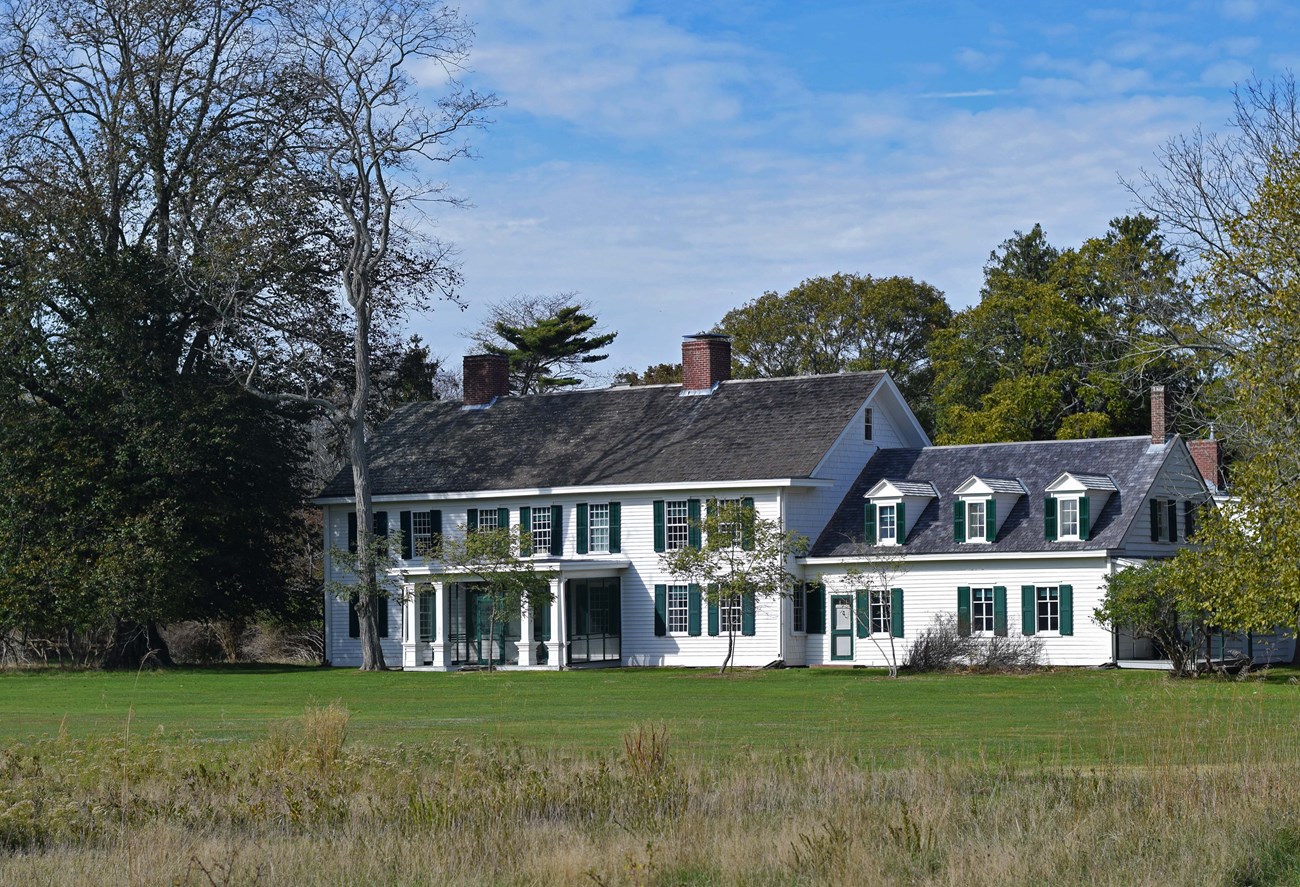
(359, 152)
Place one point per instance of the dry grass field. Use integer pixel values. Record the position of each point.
(1074, 777)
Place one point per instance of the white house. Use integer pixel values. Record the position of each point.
(1012, 538)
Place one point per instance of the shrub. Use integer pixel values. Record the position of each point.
(942, 647)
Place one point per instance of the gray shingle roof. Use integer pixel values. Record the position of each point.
(1130, 461)
(1002, 484)
(913, 489)
(764, 428)
(1095, 481)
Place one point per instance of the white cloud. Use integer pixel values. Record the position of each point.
(1240, 10)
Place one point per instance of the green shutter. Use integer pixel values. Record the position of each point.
(963, 610)
(557, 531)
(354, 624)
(747, 615)
(525, 531)
(1049, 518)
(615, 528)
(747, 524)
(958, 521)
(814, 609)
(660, 545)
(900, 523)
(352, 531)
(869, 524)
(713, 612)
(1155, 520)
(661, 610)
(1189, 519)
(471, 520)
(693, 611)
(1000, 610)
(380, 605)
(381, 524)
(503, 519)
(583, 528)
(1085, 517)
(1028, 611)
(693, 515)
(435, 528)
(896, 612)
(862, 613)
(1067, 609)
(991, 521)
(1173, 520)
(542, 622)
(408, 539)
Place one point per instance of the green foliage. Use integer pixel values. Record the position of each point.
(1150, 601)
(840, 323)
(542, 344)
(656, 374)
(1061, 343)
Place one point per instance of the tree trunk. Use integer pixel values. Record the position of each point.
(135, 645)
(372, 651)
(731, 650)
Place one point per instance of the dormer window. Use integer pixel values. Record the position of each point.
(887, 519)
(1069, 512)
(1072, 502)
(976, 527)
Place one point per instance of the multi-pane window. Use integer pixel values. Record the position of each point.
(981, 610)
(539, 529)
(727, 530)
(598, 528)
(729, 614)
(881, 621)
(677, 524)
(797, 608)
(1160, 514)
(422, 533)
(886, 523)
(487, 518)
(427, 602)
(679, 611)
(1049, 608)
(867, 430)
(1069, 512)
(975, 527)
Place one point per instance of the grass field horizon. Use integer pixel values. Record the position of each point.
(297, 775)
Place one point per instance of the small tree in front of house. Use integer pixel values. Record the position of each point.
(742, 559)
(874, 587)
(500, 560)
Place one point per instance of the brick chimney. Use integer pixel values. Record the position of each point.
(706, 361)
(1208, 456)
(486, 377)
(1159, 414)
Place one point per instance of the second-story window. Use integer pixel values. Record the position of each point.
(677, 524)
(540, 530)
(867, 430)
(1069, 510)
(887, 523)
(598, 528)
(487, 519)
(422, 533)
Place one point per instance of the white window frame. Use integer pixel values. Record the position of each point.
(892, 512)
(728, 529)
(1162, 520)
(1047, 609)
(868, 425)
(1063, 531)
(982, 610)
(882, 616)
(729, 616)
(541, 539)
(679, 609)
(982, 534)
(421, 533)
(598, 528)
(677, 524)
(798, 614)
(487, 519)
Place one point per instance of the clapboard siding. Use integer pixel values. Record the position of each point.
(1179, 480)
(930, 589)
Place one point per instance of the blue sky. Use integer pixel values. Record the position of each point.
(670, 161)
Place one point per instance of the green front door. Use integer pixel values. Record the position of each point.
(479, 606)
(841, 627)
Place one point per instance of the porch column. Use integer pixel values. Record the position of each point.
(442, 607)
(411, 657)
(559, 630)
(525, 644)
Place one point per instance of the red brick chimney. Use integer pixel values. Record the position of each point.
(1208, 456)
(706, 361)
(486, 377)
(1159, 414)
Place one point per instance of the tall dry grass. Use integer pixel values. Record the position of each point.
(1192, 797)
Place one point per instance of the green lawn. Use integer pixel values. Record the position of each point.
(1073, 717)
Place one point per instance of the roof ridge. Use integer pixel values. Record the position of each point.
(1022, 443)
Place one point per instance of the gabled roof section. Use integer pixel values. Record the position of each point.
(1073, 480)
(888, 489)
(1129, 462)
(983, 484)
(747, 430)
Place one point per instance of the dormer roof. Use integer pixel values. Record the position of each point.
(889, 489)
(1071, 481)
(977, 485)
